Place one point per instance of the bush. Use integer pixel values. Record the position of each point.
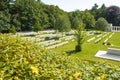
(12, 29)
(101, 24)
(104, 43)
(47, 38)
(56, 38)
(108, 43)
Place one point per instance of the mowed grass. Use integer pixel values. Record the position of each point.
(90, 49)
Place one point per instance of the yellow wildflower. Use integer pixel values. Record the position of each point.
(16, 78)
(103, 76)
(91, 69)
(77, 75)
(70, 78)
(64, 52)
(34, 70)
(26, 62)
(1, 78)
(97, 78)
(80, 74)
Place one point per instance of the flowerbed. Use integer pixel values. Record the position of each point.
(25, 60)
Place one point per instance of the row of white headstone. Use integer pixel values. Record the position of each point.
(40, 39)
(99, 39)
(54, 44)
(93, 38)
(34, 39)
(25, 33)
(46, 32)
(99, 35)
(57, 45)
(90, 39)
(108, 38)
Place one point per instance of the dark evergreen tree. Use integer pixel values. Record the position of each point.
(113, 15)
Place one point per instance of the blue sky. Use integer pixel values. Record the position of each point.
(71, 5)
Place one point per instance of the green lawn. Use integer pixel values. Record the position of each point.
(89, 49)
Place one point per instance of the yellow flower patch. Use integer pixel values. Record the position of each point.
(35, 70)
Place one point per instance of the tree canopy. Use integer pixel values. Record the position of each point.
(113, 15)
(101, 24)
(89, 20)
(34, 15)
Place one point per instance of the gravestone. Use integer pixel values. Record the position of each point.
(111, 53)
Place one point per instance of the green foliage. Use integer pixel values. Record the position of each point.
(4, 4)
(75, 18)
(63, 23)
(101, 12)
(25, 60)
(101, 24)
(37, 26)
(12, 29)
(75, 23)
(89, 20)
(28, 15)
(98, 12)
(4, 21)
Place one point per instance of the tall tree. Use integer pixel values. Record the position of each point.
(113, 14)
(94, 10)
(29, 13)
(63, 23)
(95, 7)
(89, 20)
(75, 18)
(101, 12)
(4, 16)
(98, 12)
(79, 36)
(75, 23)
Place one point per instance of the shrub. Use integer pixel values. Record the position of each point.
(108, 43)
(56, 38)
(47, 38)
(101, 24)
(12, 30)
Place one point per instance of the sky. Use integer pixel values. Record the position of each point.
(71, 5)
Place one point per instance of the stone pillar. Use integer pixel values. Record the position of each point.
(113, 29)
